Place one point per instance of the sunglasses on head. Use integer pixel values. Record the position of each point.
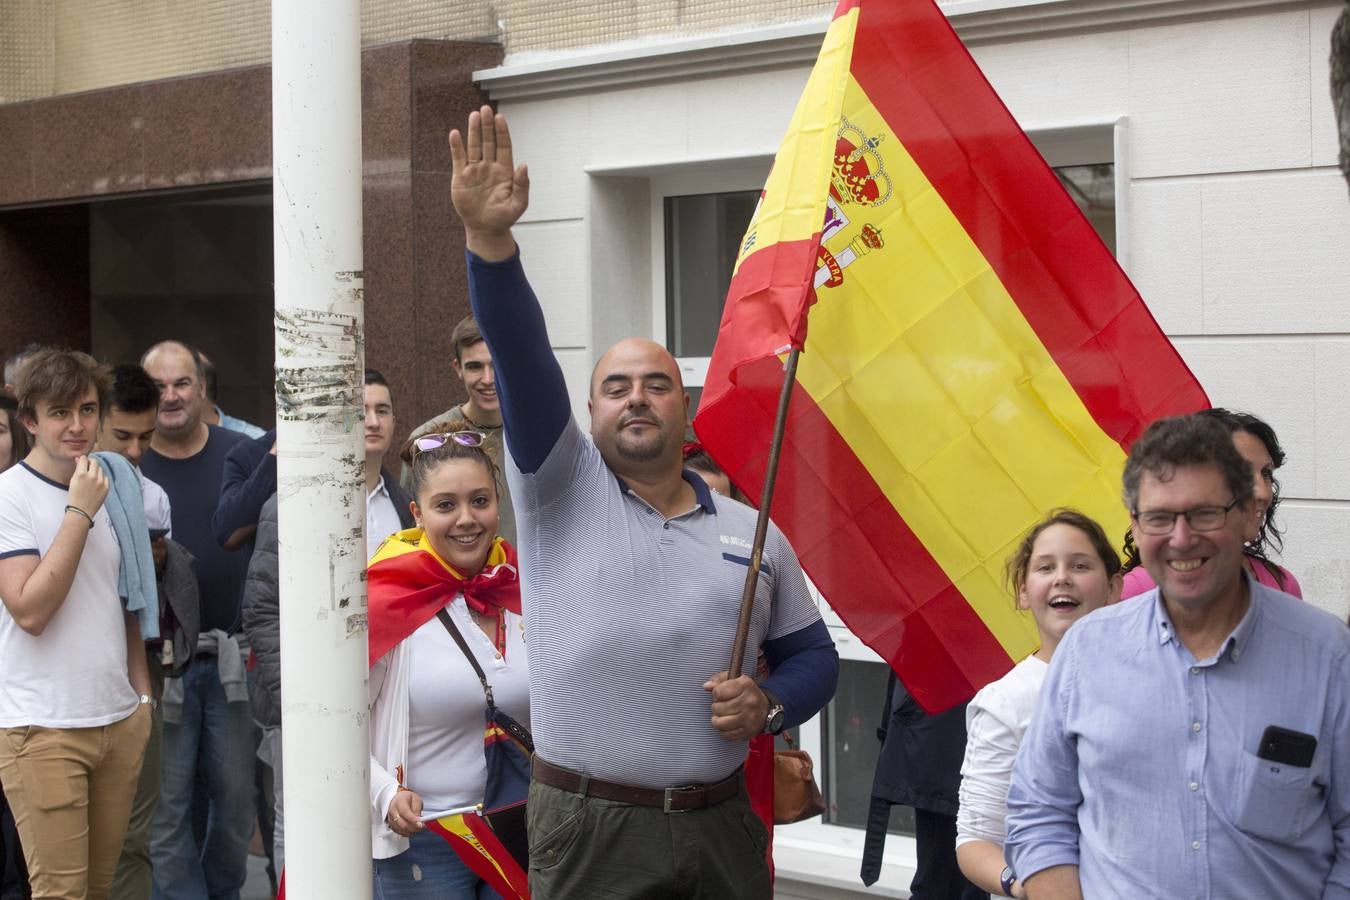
(434, 441)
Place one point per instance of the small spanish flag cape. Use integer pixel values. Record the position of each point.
(407, 582)
(469, 834)
(972, 355)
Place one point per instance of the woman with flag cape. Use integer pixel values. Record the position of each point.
(446, 641)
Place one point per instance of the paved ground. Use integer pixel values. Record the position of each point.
(257, 887)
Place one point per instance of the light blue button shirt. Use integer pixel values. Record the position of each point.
(248, 429)
(1140, 764)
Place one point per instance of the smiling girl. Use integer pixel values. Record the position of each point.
(1063, 569)
(427, 705)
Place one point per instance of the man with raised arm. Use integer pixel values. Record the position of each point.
(632, 576)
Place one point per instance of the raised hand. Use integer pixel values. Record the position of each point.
(489, 191)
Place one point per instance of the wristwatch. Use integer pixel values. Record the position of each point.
(147, 700)
(773, 719)
(1005, 881)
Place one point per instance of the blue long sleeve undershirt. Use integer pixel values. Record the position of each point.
(805, 670)
(530, 382)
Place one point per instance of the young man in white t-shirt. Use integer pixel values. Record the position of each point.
(75, 697)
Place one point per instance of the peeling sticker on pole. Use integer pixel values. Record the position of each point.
(351, 287)
(317, 392)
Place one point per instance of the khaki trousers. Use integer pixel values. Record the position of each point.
(71, 791)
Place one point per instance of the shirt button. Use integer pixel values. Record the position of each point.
(1195, 726)
(1194, 786)
(1195, 845)
(497, 656)
(1195, 670)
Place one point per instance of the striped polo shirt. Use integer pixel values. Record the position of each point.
(628, 613)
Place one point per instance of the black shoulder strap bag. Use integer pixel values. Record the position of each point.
(507, 748)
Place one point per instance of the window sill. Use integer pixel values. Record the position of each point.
(810, 868)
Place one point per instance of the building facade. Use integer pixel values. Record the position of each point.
(1197, 134)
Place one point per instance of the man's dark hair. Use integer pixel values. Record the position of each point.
(374, 376)
(1194, 440)
(133, 390)
(465, 335)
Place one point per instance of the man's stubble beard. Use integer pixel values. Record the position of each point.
(640, 453)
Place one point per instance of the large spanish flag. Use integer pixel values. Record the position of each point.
(972, 355)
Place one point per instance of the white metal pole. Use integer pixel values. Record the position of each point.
(316, 202)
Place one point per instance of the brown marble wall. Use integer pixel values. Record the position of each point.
(215, 130)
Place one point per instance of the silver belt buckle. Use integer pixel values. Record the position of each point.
(670, 794)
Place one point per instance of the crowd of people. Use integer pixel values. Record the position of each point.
(1182, 730)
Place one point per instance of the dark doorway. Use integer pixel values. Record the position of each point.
(194, 266)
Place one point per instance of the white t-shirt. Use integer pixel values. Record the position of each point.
(446, 705)
(996, 720)
(73, 675)
(158, 514)
(381, 518)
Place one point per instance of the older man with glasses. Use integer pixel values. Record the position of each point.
(1195, 741)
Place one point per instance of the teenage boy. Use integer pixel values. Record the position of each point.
(482, 412)
(127, 428)
(75, 697)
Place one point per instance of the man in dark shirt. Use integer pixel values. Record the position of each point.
(207, 719)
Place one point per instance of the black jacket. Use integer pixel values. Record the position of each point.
(919, 766)
(262, 611)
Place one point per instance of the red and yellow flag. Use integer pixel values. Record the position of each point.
(480, 849)
(972, 357)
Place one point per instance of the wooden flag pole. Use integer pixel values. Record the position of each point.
(762, 523)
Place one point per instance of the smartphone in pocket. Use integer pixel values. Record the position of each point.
(1291, 748)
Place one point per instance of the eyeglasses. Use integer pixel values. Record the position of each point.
(1202, 518)
(434, 441)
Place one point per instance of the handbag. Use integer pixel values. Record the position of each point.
(796, 796)
(508, 748)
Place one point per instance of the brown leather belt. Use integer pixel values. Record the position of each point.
(676, 799)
